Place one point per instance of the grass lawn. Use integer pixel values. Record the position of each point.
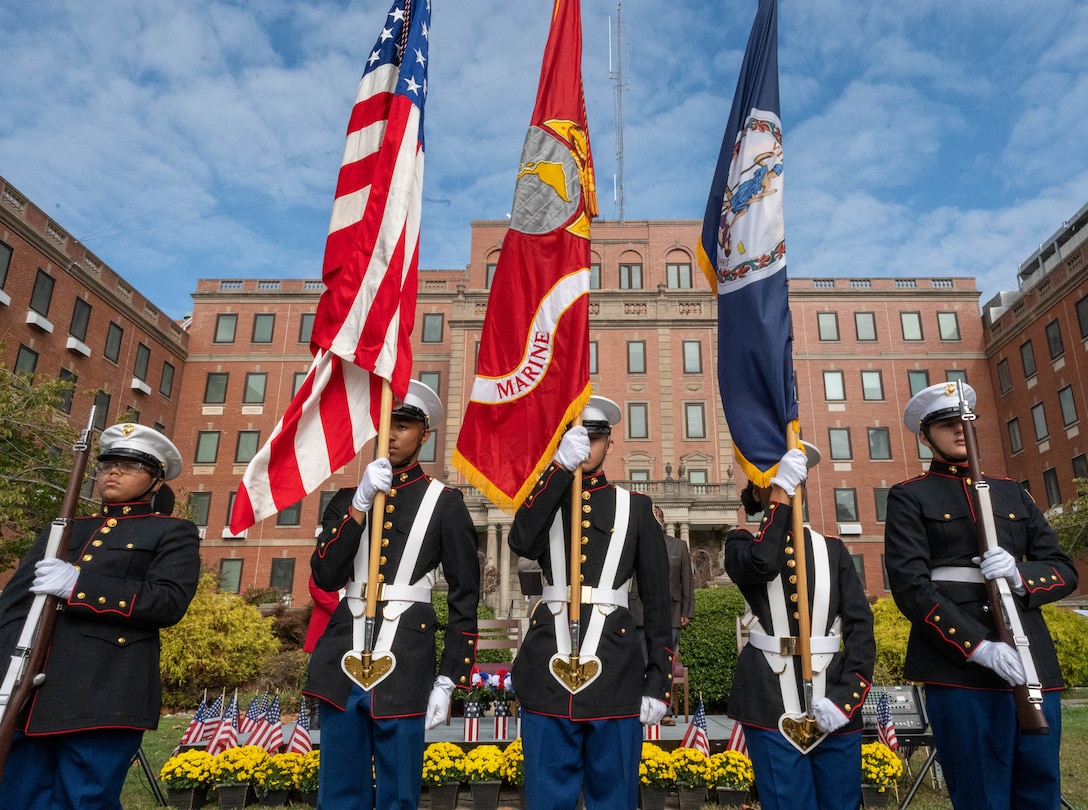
(158, 745)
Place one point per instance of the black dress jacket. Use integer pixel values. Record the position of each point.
(138, 573)
(930, 524)
(450, 540)
(625, 677)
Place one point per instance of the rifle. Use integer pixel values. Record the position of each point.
(24, 672)
(1029, 696)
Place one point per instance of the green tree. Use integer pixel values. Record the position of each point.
(708, 646)
(1071, 521)
(35, 459)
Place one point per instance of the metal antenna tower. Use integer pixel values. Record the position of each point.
(616, 74)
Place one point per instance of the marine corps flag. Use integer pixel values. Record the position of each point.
(743, 253)
(532, 372)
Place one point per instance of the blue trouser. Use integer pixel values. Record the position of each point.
(598, 758)
(826, 778)
(987, 762)
(82, 770)
(351, 741)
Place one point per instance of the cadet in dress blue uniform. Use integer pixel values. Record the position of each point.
(937, 580)
(591, 740)
(387, 722)
(766, 684)
(130, 571)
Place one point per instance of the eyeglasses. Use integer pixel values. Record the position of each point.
(125, 467)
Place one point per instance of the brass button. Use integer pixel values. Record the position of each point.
(462, 679)
(122, 603)
(104, 530)
(96, 543)
(129, 546)
(468, 660)
(951, 631)
(1012, 515)
(385, 542)
(793, 597)
(121, 640)
(791, 563)
(381, 560)
(789, 549)
(585, 541)
(936, 618)
(387, 525)
(967, 645)
(87, 558)
(857, 696)
(111, 522)
(594, 481)
(847, 707)
(101, 600)
(126, 510)
(81, 595)
(403, 477)
(587, 508)
(381, 577)
(389, 508)
(585, 524)
(947, 516)
(392, 493)
(793, 579)
(585, 496)
(623, 631)
(668, 694)
(423, 625)
(796, 615)
(471, 641)
(583, 558)
(581, 577)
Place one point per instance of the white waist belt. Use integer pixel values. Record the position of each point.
(957, 573)
(589, 596)
(787, 645)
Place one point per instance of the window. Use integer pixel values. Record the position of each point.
(42, 296)
(230, 506)
(954, 375)
(1016, 442)
(306, 327)
(859, 566)
(230, 575)
(490, 277)
(592, 357)
(638, 420)
(326, 498)
(143, 359)
(1068, 406)
(827, 324)
(296, 383)
(917, 380)
(113, 342)
(923, 451)
(865, 325)
(880, 443)
(912, 325)
(1053, 490)
(1038, 418)
(1080, 467)
(630, 276)
(638, 480)
(249, 441)
(947, 326)
(26, 361)
(678, 276)
(846, 505)
(215, 388)
(880, 500)
(695, 420)
(838, 439)
(697, 478)
(101, 410)
(1054, 340)
(834, 387)
(166, 382)
(427, 453)
(1027, 359)
(207, 448)
(693, 356)
(69, 392)
(1004, 378)
(256, 382)
(872, 385)
(595, 276)
(225, 327)
(81, 317)
(636, 357)
(290, 516)
(5, 263)
(1082, 315)
(264, 324)
(433, 380)
(283, 574)
(432, 327)
(201, 503)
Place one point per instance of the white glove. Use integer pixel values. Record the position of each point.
(652, 711)
(438, 704)
(1002, 659)
(55, 577)
(828, 716)
(792, 470)
(378, 475)
(573, 448)
(997, 563)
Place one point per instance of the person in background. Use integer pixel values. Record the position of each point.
(767, 683)
(424, 524)
(131, 571)
(938, 581)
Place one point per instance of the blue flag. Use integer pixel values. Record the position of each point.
(742, 251)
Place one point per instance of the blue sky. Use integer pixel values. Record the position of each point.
(201, 139)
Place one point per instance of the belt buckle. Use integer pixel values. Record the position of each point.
(586, 594)
(787, 645)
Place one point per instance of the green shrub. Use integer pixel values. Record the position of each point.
(891, 629)
(1070, 633)
(708, 646)
(442, 615)
(222, 643)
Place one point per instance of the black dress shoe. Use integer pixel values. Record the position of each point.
(667, 721)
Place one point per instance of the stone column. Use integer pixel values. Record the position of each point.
(505, 574)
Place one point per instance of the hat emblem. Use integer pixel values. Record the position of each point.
(128, 430)
(949, 389)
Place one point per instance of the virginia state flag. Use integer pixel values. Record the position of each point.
(532, 373)
(743, 253)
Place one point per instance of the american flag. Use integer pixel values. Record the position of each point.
(695, 737)
(213, 718)
(269, 732)
(472, 721)
(300, 742)
(226, 735)
(363, 324)
(248, 721)
(736, 740)
(885, 728)
(194, 733)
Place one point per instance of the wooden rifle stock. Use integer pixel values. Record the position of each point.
(1029, 702)
(27, 660)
